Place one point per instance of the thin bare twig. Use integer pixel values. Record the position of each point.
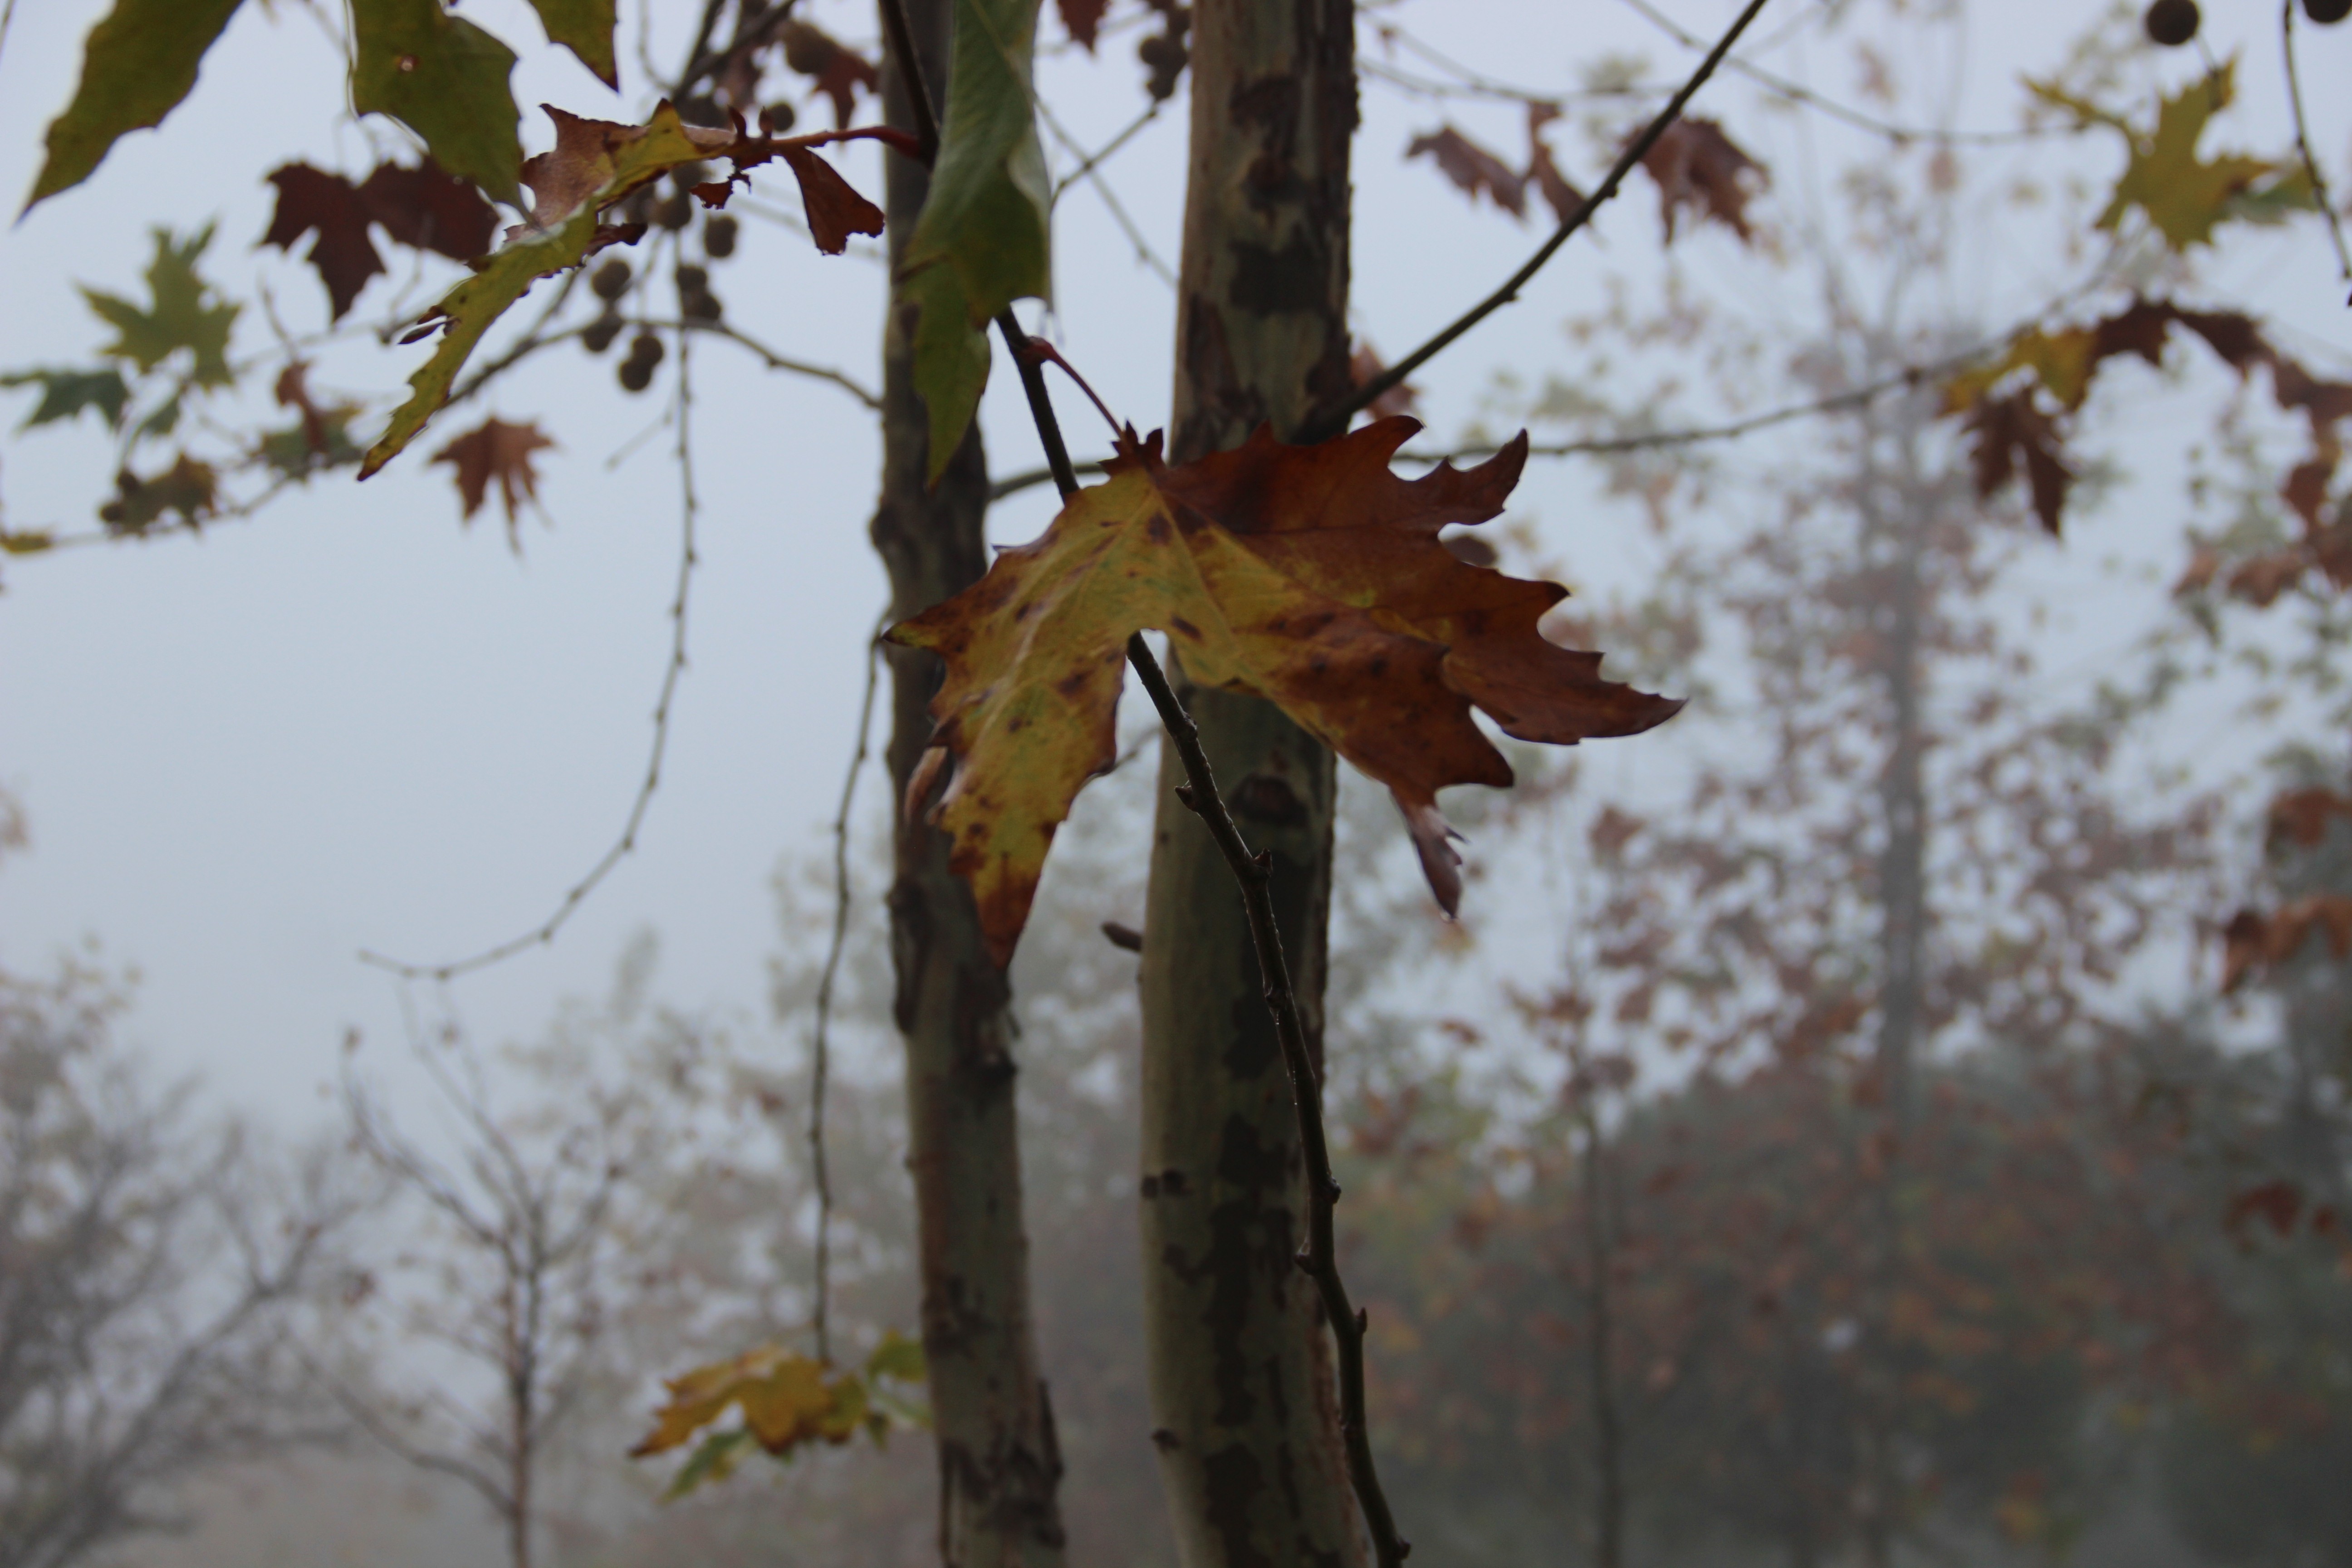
(2303, 142)
(820, 1052)
(1103, 154)
(1319, 1258)
(1796, 92)
(1607, 446)
(1110, 201)
(690, 507)
(1336, 421)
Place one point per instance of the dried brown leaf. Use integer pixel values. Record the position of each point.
(312, 201)
(838, 71)
(1082, 20)
(496, 450)
(1474, 169)
(1700, 169)
(2012, 432)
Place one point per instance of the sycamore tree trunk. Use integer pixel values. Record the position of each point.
(1242, 1392)
(999, 1466)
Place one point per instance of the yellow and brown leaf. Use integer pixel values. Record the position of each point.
(1312, 576)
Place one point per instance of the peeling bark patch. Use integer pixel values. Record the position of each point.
(1254, 1048)
(1269, 282)
(1232, 1228)
(1234, 1484)
(980, 1053)
(1286, 1464)
(1270, 104)
(1170, 1182)
(910, 944)
(1265, 798)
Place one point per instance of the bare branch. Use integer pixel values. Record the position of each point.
(1335, 421)
(820, 1051)
(2303, 142)
(544, 933)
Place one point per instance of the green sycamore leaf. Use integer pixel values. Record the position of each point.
(2185, 197)
(446, 79)
(507, 274)
(982, 242)
(713, 1460)
(66, 392)
(585, 28)
(897, 1356)
(136, 67)
(469, 310)
(181, 315)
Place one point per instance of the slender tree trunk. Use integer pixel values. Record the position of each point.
(999, 1465)
(1608, 1442)
(1242, 1395)
(1902, 920)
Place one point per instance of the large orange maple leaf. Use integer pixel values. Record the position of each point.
(1311, 577)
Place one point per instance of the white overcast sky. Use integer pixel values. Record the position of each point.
(348, 723)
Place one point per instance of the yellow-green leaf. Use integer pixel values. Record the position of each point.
(787, 1401)
(136, 67)
(713, 1460)
(585, 28)
(469, 310)
(2060, 361)
(446, 79)
(981, 241)
(897, 1356)
(2184, 195)
(606, 162)
(181, 314)
(1311, 577)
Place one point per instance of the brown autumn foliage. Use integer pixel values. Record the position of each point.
(1309, 575)
(496, 450)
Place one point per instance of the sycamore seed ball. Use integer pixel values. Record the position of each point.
(2170, 22)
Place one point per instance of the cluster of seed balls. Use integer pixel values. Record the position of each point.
(612, 280)
(2173, 23)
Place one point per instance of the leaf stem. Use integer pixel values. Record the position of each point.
(1336, 421)
(1041, 407)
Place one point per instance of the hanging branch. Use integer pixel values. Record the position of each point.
(690, 507)
(1318, 1258)
(1334, 421)
(820, 1052)
(2303, 142)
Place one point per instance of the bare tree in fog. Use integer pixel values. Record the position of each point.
(153, 1277)
(508, 1274)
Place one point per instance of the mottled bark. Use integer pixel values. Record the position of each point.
(999, 1468)
(1243, 1404)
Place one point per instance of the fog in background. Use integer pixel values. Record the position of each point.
(348, 723)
